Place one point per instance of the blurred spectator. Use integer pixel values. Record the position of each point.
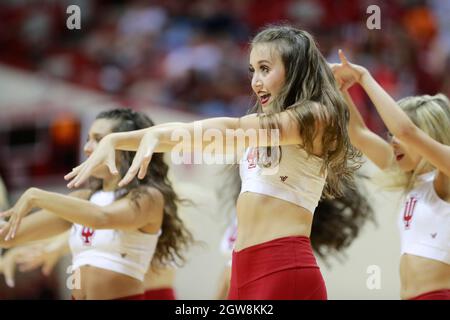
(192, 55)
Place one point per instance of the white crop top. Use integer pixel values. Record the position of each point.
(424, 222)
(125, 252)
(296, 178)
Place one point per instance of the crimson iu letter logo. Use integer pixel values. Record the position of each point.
(409, 211)
(87, 234)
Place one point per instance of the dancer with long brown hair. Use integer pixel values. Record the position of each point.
(116, 232)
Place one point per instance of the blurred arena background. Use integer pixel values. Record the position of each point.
(181, 60)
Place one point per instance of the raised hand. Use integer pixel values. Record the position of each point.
(142, 158)
(104, 154)
(346, 73)
(22, 207)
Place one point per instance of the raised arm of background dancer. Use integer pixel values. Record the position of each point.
(401, 126)
(163, 138)
(369, 143)
(40, 225)
(121, 214)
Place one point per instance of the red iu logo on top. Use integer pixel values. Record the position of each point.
(86, 235)
(409, 211)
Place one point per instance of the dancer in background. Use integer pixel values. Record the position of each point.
(115, 231)
(158, 283)
(417, 159)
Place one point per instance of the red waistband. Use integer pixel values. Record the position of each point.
(160, 294)
(434, 295)
(265, 258)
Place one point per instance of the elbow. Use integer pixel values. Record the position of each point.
(406, 132)
(357, 137)
(101, 221)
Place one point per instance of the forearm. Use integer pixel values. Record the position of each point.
(130, 140)
(69, 208)
(127, 141)
(373, 146)
(394, 118)
(37, 226)
(171, 134)
(356, 122)
(195, 131)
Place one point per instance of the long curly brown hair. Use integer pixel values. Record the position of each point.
(343, 209)
(337, 222)
(175, 237)
(310, 94)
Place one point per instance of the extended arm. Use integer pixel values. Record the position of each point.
(240, 133)
(39, 225)
(401, 126)
(121, 214)
(369, 143)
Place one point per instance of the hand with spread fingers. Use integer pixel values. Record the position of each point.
(142, 158)
(39, 255)
(104, 154)
(8, 263)
(346, 73)
(22, 207)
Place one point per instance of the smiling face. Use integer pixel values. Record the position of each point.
(268, 73)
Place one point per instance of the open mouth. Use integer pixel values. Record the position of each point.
(264, 98)
(399, 157)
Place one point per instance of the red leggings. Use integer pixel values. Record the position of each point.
(160, 294)
(280, 269)
(434, 295)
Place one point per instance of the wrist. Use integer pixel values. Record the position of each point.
(33, 196)
(155, 136)
(364, 76)
(112, 139)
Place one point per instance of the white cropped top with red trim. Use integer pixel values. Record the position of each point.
(424, 222)
(125, 252)
(292, 175)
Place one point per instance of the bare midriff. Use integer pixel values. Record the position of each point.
(159, 278)
(262, 218)
(101, 284)
(420, 275)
